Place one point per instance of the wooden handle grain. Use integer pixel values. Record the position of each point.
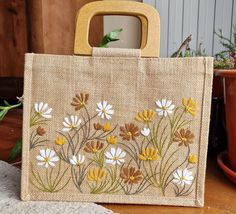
(149, 17)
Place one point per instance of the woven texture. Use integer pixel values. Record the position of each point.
(116, 129)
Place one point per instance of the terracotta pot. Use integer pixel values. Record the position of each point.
(229, 83)
(10, 132)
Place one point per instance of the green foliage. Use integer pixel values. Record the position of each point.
(227, 57)
(16, 150)
(110, 37)
(6, 107)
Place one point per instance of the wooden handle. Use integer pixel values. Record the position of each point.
(149, 17)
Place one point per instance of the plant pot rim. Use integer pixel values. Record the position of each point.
(225, 72)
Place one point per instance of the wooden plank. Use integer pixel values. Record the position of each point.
(52, 25)
(223, 17)
(175, 25)
(190, 21)
(13, 35)
(206, 24)
(163, 9)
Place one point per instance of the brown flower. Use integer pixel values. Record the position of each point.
(183, 137)
(97, 126)
(131, 175)
(93, 147)
(80, 100)
(129, 131)
(40, 131)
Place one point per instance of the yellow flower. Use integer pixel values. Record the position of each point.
(96, 174)
(148, 154)
(111, 139)
(192, 159)
(106, 127)
(145, 115)
(60, 141)
(190, 106)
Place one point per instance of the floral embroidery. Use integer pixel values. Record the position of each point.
(80, 100)
(148, 154)
(145, 116)
(115, 156)
(104, 110)
(131, 175)
(47, 158)
(184, 137)
(192, 159)
(145, 132)
(109, 158)
(164, 107)
(129, 131)
(190, 106)
(71, 123)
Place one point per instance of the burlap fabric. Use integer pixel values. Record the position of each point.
(116, 128)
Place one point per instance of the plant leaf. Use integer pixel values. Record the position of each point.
(6, 103)
(110, 37)
(16, 150)
(3, 113)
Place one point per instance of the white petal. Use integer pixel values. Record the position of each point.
(42, 153)
(52, 153)
(40, 158)
(165, 113)
(36, 107)
(40, 106)
(41, 163)
(118, 152)
(66, 119)
(110, 161)
(66, 129)
(108, 117)
(111, 111)
(74, 158)
(78, 122)
(99, 105)
(161, 113)
(187, 182)
(168, 103)
(169, 112)
(45, 106)
(171, 107)
(104, 104)
(46, 164)
(51, 163)
(108, 107)
(176, 181)
(47, 116)
(109, 155)
(48, 111)
(182, 184)
(47, 152)
(102, 115)
(82, 159)
(72, 118)
(163, 102)
(72, 162)
(122, 155)
(158, 103)
(122, 160)
(54, 159)
(113, 151)
(66, 125)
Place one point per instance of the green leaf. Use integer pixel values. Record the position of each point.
(16, 150)
(110, 37)
(6, 103)
(3, 113)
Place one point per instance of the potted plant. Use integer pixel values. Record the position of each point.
(225, 67)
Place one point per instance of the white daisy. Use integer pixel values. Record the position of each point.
(104, 110)
(77, 161)
(47, 157)
(43, 110)
(70, 123)
(182, 177)
(145, 132)
(115, 156)
(164, 107)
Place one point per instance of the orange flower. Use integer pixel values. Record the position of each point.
(79, 101)
(184, 137)
(92, 147)
(40, 131)
(129, 131)
(145, 116)
(148, 154)
(131, 175)
(97, 126)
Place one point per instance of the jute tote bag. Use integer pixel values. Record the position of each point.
(116, 125)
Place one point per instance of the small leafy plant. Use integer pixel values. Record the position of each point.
(226, 59)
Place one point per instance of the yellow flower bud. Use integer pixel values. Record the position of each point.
(192, 159)
(60, 141)
(111, 139)
(107, 127)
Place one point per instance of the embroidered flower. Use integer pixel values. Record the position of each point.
(40, 131)
(115, 156)
(77, 160)
(60, 141)
(70, 123)
(182, 177)
(192, 159)
(164, 107)
(184, 137)
(111, 139)
(148, 154)
(145, 132)
(43, 110)
(104, 110)
(190, 106)
(129, 131)
(47, 157)
(96, 174)
(97, 126)
(93, 147)
(106, 127)
(145, 116)
(131, 175)
(79, 101)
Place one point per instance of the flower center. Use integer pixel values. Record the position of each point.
(104, 111)
(149, 158)
(95, 150)
(131, 177)
(182, 178)
(129, 134)
(164, 108)
(46, 159)
(78, 163)
(82, 104)
(184, 139)
(116, 158)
